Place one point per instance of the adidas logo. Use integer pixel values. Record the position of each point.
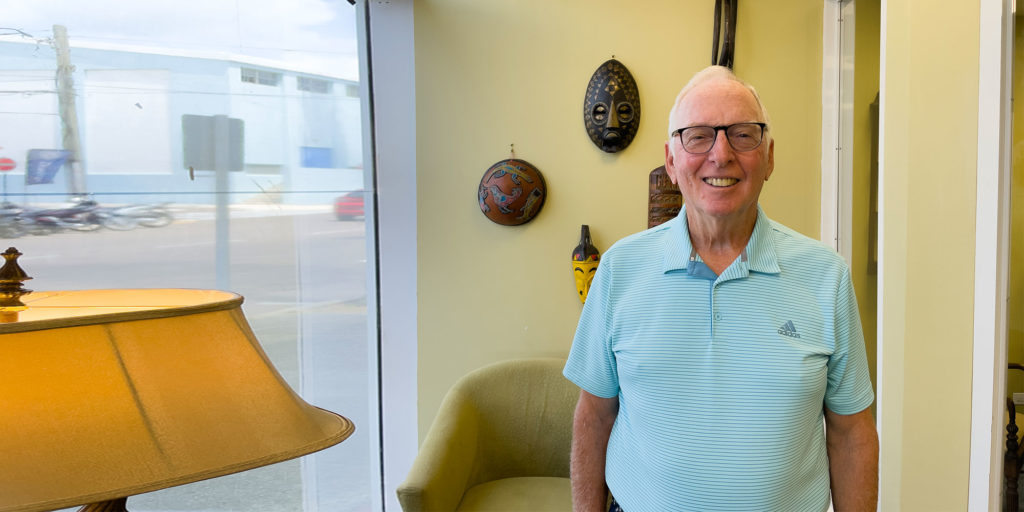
(788, 329)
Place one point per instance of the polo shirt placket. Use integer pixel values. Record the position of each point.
(739, 269)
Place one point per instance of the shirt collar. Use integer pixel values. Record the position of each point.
(761, 255)
(760, 250)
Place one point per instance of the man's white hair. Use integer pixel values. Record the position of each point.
(713, 73)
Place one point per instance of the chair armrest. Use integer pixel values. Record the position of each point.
(446, 459)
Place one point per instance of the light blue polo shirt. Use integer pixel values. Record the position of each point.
(721, 380)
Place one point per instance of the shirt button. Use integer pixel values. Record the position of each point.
(718, 317)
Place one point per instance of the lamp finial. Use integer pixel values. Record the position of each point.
(11, 278)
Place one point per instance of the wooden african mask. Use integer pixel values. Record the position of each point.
(611, 110)
(585, 259)
(664, 200)
(511, 192)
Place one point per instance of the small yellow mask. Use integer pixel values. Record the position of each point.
(584, 272)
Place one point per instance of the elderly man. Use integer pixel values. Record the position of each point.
(712, 348)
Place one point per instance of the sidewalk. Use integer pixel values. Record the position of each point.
(240, 211)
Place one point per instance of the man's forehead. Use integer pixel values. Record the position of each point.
(717, 98)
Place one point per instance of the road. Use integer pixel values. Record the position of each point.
(303, 275)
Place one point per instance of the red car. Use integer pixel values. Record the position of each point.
(350, 205)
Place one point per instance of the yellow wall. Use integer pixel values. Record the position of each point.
(931, 83)
(1015, 303)
(865, 89)
(490, 74)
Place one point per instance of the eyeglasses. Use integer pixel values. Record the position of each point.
(700, 139)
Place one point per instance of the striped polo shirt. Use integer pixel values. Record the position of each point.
(721, 380)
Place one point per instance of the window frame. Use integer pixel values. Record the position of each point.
(259, 77)
(313, 85)
(388, 89)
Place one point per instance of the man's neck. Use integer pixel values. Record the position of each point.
(719, 241)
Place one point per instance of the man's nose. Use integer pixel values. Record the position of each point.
(721, 152)
(613, 116)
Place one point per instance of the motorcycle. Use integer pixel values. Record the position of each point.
(82, 216)
(10, 220)
(123, 218)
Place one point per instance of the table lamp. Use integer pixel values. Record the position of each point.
(109, 393)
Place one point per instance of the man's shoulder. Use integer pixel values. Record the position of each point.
(642, 243)
(790, 243)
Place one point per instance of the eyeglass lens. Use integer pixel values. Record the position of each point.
(742, 137)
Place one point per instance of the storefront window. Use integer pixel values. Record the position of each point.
(205, 145)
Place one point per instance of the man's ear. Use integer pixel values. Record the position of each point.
(670, 162)
(771, 160)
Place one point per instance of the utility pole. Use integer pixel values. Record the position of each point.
(68, 114)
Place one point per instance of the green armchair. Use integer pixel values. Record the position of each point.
(500, 441)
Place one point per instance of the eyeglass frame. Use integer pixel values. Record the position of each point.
(725, 128)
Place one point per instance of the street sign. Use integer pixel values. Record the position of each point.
(213, 143)
(6, 164)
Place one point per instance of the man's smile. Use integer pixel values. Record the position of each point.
(721, 182)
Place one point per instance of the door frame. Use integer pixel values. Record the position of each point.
(992, 218)
(837, 82)
(991, 269)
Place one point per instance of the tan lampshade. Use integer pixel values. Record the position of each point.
(110, 393)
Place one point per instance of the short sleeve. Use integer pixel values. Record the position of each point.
(591, 363)
(849, 381)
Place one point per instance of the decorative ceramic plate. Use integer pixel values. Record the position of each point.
(512, 192)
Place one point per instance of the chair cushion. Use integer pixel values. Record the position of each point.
(519, 494)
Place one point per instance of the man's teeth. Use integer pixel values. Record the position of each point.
(720, 182)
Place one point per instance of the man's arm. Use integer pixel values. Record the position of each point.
(852, 444)
(591, 427)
